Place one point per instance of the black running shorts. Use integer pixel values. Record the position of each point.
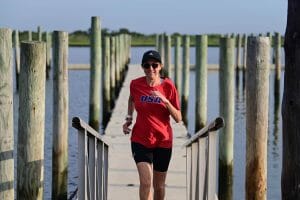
(160, 157)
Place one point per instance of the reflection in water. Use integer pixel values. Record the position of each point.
(237, 78)
(276, 116)
(244, 79)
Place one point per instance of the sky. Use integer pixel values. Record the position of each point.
(148, 16)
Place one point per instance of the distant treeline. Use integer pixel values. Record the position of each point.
(81, 38)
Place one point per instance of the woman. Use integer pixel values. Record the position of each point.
(155, 99)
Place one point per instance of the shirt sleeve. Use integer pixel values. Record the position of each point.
(174, 98)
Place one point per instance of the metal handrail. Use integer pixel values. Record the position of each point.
(212, 126)
(92, 162)
(201, 154)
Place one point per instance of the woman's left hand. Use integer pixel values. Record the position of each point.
(157, 93)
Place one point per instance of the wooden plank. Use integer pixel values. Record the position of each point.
(212, 163)
(194, 170)
(202, 145)
(123, 181)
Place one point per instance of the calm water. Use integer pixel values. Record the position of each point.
(79, 101)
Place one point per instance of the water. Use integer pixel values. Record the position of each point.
(79, 102)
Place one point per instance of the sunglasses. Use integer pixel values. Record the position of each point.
(148, 65)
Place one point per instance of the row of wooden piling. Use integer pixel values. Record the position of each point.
(113, 53)
(182, 64)
(257, 60)
(31, 131)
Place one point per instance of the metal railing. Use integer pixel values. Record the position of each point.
(92, 162)
(201, 159)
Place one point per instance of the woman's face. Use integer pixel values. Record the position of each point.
(152, 68)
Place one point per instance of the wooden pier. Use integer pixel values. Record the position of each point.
(123, 181)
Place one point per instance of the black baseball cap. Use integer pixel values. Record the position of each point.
(151, 54)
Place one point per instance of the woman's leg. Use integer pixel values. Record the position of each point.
(161, 160)
(159, 179)
(145, 174)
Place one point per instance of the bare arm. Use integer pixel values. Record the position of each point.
(128, 119)
(176, 114)
(130, 106)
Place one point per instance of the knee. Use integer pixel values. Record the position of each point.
(145, 184)
(159, 187)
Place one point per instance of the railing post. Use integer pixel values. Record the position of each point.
(189, 172)
(202, 157)
(194, 168)
(6, 116)
(201, 162)
(30, 161)
(92, 168)
(82, 164)
(92, 162)
(212, 163)
(60, 115)
(257, 95)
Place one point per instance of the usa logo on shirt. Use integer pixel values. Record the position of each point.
(150, 99)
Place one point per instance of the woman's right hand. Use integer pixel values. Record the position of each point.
(126, 129)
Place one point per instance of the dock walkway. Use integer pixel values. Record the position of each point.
(123, 181)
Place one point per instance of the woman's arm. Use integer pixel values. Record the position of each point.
(128, 118)
(130, 106)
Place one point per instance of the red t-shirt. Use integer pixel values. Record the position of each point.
(152, 127)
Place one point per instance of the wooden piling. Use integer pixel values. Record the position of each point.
(60, 115)
(290, 173)
(168, 63)
(257, 95)
(118, 68)
(157, 42)
(95, 74)
(161, 46)
(17, 57)
(270, 38)
(178, 65)
(201, 82)
(48, 53)
(244, 60)
(185, 78)
(39, 33)
(112, 70)
(277, 55)
(6, 116)
(238, 51)
(226, 135)
(30, 161)
(106, 81)
(29, 35)
(245, 38)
